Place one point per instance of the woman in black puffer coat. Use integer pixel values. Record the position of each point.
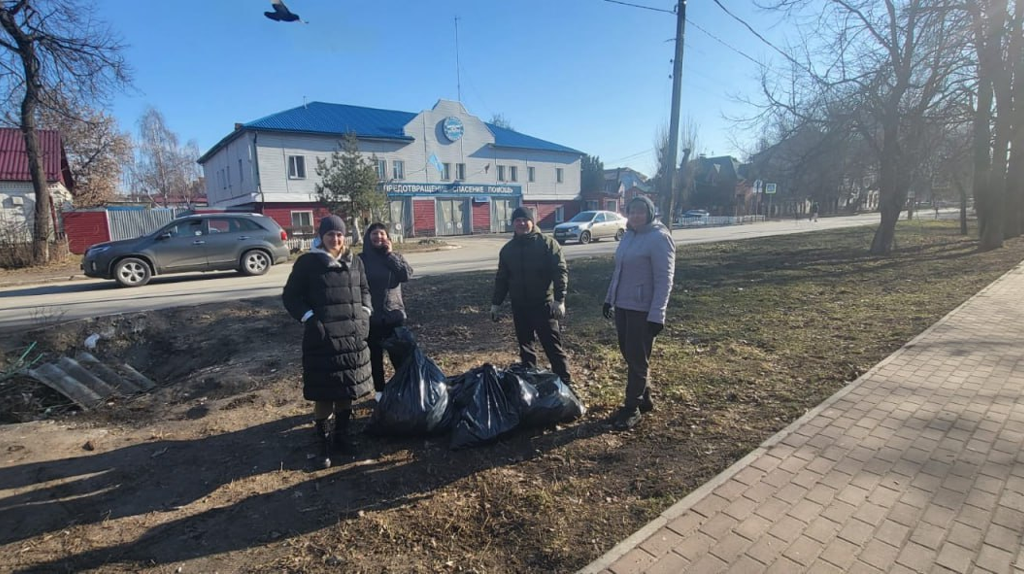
(385, 272)
(327, 291)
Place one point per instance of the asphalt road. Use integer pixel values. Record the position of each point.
(25, 307)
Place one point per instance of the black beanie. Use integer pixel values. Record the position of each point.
(331, 223)
(522, 211)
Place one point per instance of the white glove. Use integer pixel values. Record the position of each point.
(558, 310)
(495, 313)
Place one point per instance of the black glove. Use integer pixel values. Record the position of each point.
(607, 311)
(654, 328)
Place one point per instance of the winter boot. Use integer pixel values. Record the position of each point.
(342, 439)
(323, 434)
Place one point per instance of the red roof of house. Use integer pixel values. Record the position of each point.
(14, 160)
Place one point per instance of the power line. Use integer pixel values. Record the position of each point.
(724, 43)
(639, 6)
(760, 37)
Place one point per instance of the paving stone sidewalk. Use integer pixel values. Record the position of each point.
(915, 467)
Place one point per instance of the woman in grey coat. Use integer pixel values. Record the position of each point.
(645, 263)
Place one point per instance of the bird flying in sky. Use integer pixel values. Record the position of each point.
(281, 13)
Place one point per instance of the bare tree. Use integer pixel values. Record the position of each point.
(668, 202)
(879, 70)
(163, 167)
(501, 121)
(51, 47)
(97, 150)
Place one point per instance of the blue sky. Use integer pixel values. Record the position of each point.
(589, 74)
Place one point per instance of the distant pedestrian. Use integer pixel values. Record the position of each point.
(327, 291)
(637, 299)
(533, 274)
(386, 270)
(814, 212)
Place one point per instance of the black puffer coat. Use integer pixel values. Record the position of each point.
(385, 272)
(335, 358)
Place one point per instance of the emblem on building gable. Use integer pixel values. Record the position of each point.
(453, 128)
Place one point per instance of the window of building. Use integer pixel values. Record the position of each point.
(558, 175)
(460, 171)
(382, 170)
(592, 205)
(501, 173)
(446, 173)
(302, 223)
(241, 174)
(513, 173)
(559, 214)
(296, 167)
(531, 174)
(399, 169)
(611, 205)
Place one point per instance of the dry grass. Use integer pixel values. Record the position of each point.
(759, 331)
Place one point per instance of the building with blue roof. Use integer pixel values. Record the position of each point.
(445, 171)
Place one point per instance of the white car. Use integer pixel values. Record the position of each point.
(589, 226)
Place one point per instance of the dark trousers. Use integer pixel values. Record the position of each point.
(534, 323)
(635, 344)
(373, 341)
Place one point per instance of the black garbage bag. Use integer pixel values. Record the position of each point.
(414, 401)
(486, 411)
(400, 345)
(551, 402)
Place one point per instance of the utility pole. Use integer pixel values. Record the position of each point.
(673, 128)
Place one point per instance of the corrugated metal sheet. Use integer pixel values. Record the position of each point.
(14, 160)
(318, 117)
(129, 224)
(339, 119)
(509, 138)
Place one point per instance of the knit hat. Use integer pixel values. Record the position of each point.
(331, 223)
(522, 211)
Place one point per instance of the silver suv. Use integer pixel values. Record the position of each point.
(246, 242)
(589, 226)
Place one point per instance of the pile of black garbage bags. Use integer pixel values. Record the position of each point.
(476, 407)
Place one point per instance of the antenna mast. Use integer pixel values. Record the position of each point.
(458, 72)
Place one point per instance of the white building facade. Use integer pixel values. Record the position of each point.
(445, 171)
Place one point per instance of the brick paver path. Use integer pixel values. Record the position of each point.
(915, 467)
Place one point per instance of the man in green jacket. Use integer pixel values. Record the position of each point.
(533, 273)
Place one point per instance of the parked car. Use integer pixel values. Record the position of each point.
(246, 242)
(693, 216)
(589, 226)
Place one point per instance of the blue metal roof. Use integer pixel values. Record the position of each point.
(318, 117)
(337, 119)
(509, 138)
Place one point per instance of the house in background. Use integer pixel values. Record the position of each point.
(17, 197)
(621, 184)
(721, 187)
(445, 172)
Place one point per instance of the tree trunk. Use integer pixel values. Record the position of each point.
(987, 203)
(891, 194)
(42, 230)
(1015, 117)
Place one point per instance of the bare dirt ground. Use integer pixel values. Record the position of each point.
(210, 473)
